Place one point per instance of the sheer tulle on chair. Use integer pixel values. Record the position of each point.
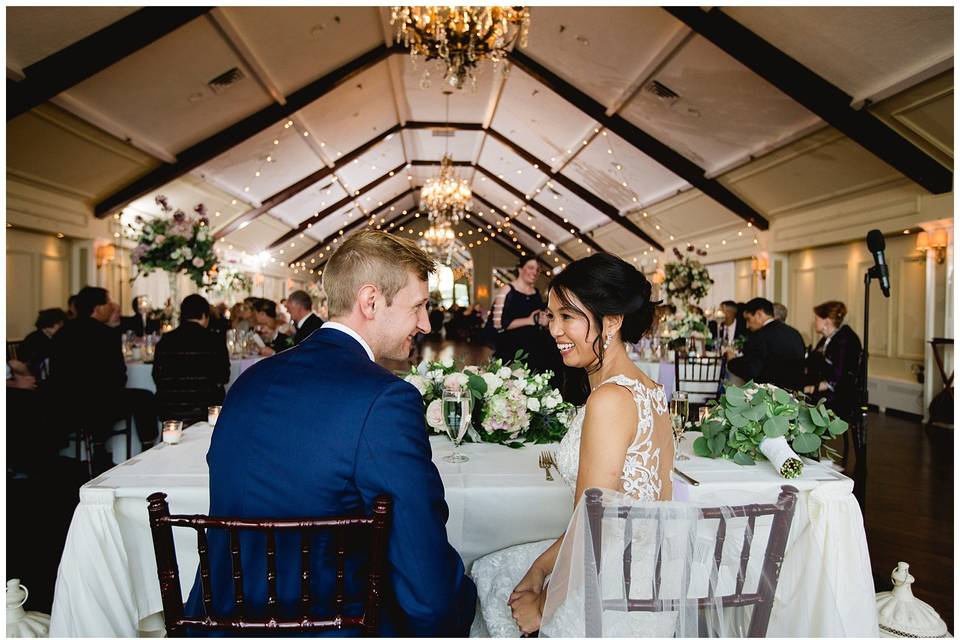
(667, 568)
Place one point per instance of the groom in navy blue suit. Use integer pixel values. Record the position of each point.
(320, 430)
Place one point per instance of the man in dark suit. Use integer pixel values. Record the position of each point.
(140, 322)
(321, 430)
(725, 333)
(300, 306)
(88, 374)
(191, 365)
(774, 351)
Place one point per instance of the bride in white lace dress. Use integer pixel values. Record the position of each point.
(621, 439)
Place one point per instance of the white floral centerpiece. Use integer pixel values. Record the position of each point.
(176, 242)
(763, 421)
(682, 326)
(686, 279)
(512, 405)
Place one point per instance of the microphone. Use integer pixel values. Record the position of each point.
(880, 271)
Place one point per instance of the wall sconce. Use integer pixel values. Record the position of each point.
(483, 292)
(105, 253)
(657, 277)
(759, 265)
(936, 242)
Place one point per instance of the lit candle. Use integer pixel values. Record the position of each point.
(172, 431)
(213, 413)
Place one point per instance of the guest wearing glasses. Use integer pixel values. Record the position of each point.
(833, 364)
(300, 306)
(191, 365)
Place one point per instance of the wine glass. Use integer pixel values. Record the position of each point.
(455, 405)
(679, 409)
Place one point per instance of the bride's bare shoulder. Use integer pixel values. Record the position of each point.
(610, 404)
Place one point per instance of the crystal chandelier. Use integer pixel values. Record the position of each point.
(460, 37)
(446, 197)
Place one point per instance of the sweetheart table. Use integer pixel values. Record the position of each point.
(107, 580)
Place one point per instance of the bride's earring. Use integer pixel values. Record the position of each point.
(606, 343)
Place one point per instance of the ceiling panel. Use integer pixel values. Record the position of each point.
(161, 91)
(297, 45)
(424, 144)
(312, 200)
(562, 202)
(429, 104)
(530, 217)
(377, 161)
(33, 33)
(538, 119)
(257, 235)
(723, 112)
(353, 113)
(860, 49)
(615, 171)
(502, 161)
(278, 154)
(585, 45)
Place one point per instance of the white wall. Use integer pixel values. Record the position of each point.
(38, 277)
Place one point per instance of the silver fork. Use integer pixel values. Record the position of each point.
(545, 464)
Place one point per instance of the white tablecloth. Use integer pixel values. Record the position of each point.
(140, 374)
(107, 581)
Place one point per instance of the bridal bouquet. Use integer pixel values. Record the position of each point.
(686, 279)
(512, 405)
(763, 421)
(175, 242)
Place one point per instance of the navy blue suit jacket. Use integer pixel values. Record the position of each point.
(320, 430)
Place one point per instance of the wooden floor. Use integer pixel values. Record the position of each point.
(909, 505)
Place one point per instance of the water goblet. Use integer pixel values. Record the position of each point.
(455, 407)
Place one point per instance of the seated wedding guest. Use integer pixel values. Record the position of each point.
(300, 307)
(89, 376)
(726, 332)
(779, 312)
(218, 320)
(240, 317)
(71, 307)
(140, 322)
(275, 455)
(436, 319)
(833, 364)
(36, 348)
(265, 315)
(773, 352)
(190, 365)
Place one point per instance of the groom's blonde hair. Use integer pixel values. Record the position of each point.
(371, 257)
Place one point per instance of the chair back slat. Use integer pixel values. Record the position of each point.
(627, 553)
(745, 553)
(656, 564)
(167, 571)
(272, 599)
(162, 523)
(237, 567)
(341, 573)
(699, 376)
(204, 553)
(305, 573)
(761, 600)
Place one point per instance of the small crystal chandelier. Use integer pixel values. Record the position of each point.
(460, 37)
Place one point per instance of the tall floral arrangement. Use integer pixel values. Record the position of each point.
(232, 281)
(175, 242)
(512, 405)
(686, 279)
(683, 325)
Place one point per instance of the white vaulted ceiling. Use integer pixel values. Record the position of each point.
(722, 118)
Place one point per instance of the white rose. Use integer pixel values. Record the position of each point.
(447, 362)
(472, 369)
(505, 373)
(423, 367)
(161, 239)
(198, 262)
(550, 402)
(436, 375)
(175, 254)
(519, 373)
(187, 253)
(419, 382)
(435, 416)
(455, 382)
(530, 389)
(493, 383)
(533, 404)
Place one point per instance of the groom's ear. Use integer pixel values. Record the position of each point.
(367, 300)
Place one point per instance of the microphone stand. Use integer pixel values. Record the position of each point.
(860, 427)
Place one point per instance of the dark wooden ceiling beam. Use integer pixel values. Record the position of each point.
(301, 185)
(236, 133)
(578, 190)
(320, 215)
(353, 225)
(816, 94)
(72, 65)
(656, 150)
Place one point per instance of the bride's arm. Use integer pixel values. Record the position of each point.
(609, 426)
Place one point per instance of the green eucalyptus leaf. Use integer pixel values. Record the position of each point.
(775, 427)
(817, 418)
(741, 458)
(717, 443)
(806, 443)
(837, 426)
(736, 419)
(701, 447)
(734, 396)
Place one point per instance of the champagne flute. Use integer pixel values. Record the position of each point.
(455, 406)
(679, 410)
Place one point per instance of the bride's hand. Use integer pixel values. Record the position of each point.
(526, 612)
(532, 582)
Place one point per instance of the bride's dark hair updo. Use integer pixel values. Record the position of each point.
(605, 285)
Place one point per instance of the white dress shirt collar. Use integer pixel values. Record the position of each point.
(353, 334)
(769, 320)
(304, 319)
